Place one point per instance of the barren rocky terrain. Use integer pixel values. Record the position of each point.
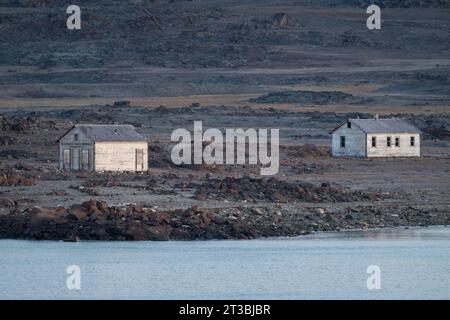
(300, 66)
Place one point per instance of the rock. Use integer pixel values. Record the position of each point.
(206, 218)
(313, 225)
(200, 197)
(122, 104)
(90, 205)
(273, 190)
(283, 20)
(258, 211)
(320, 210)
(60, 211)
(11, 177)
(39, 213)
(219, 220)
(102, 206)
(7, 202)
(307, 97)
(76, 213)
(7, 141)
(162, 217)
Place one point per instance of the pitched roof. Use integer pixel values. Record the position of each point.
(108, 132)
(393, 125)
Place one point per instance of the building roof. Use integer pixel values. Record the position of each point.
(108, 132)
(393, 125)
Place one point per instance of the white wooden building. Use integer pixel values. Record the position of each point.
(98, 147)
(376, 138)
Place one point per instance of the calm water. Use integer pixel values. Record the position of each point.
(414, 263)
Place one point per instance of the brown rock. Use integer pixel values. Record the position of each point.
(258, 211)
(76, 213)
(102, 206)
(7, 202)
(60, 211)
(90, 205)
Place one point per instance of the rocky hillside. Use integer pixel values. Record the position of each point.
(169, 33)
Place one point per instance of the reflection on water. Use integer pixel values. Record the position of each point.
(414, 263)
(413, 233)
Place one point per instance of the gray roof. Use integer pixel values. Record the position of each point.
(110, 132)
(392, 125)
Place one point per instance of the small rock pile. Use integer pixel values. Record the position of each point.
(307, 97)
(102, 182)
(13, 177)
(7, 141)
(95, 220)
(274, 190)
(307, 151)
(21, 124)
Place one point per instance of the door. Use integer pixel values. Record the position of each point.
(139, 159)
(85, 160)
(75, 159)
(66, 159)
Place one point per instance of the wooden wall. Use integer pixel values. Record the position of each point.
(119, 156)
(404, 150)
(68, 142)
(355, 142)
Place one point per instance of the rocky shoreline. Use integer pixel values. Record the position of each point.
(95, 220)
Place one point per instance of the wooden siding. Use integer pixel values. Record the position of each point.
(404, 150)
(76, 147)
(120, 156)
(355, 142)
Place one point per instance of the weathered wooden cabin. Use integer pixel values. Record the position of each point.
(376, 138)
(98, 147)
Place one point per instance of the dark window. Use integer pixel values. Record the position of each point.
(342, 142)
(389, 141)
(397, 141)
(374, 142)
(412, 141)
(349, 124)
(75, 137)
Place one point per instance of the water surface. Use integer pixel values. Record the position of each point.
(415, 264)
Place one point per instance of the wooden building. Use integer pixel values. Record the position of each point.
(376, 138)
(98, 147)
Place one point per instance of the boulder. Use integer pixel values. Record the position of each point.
(7, 202)
(102, 206)
(76, 213)
(90, 205)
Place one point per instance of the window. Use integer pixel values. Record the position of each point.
(349, 124)
(374, 142)
(66, 159)
(412, 141)
(397, 141)
(342, 142)
(389, 141)
(75, 137)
